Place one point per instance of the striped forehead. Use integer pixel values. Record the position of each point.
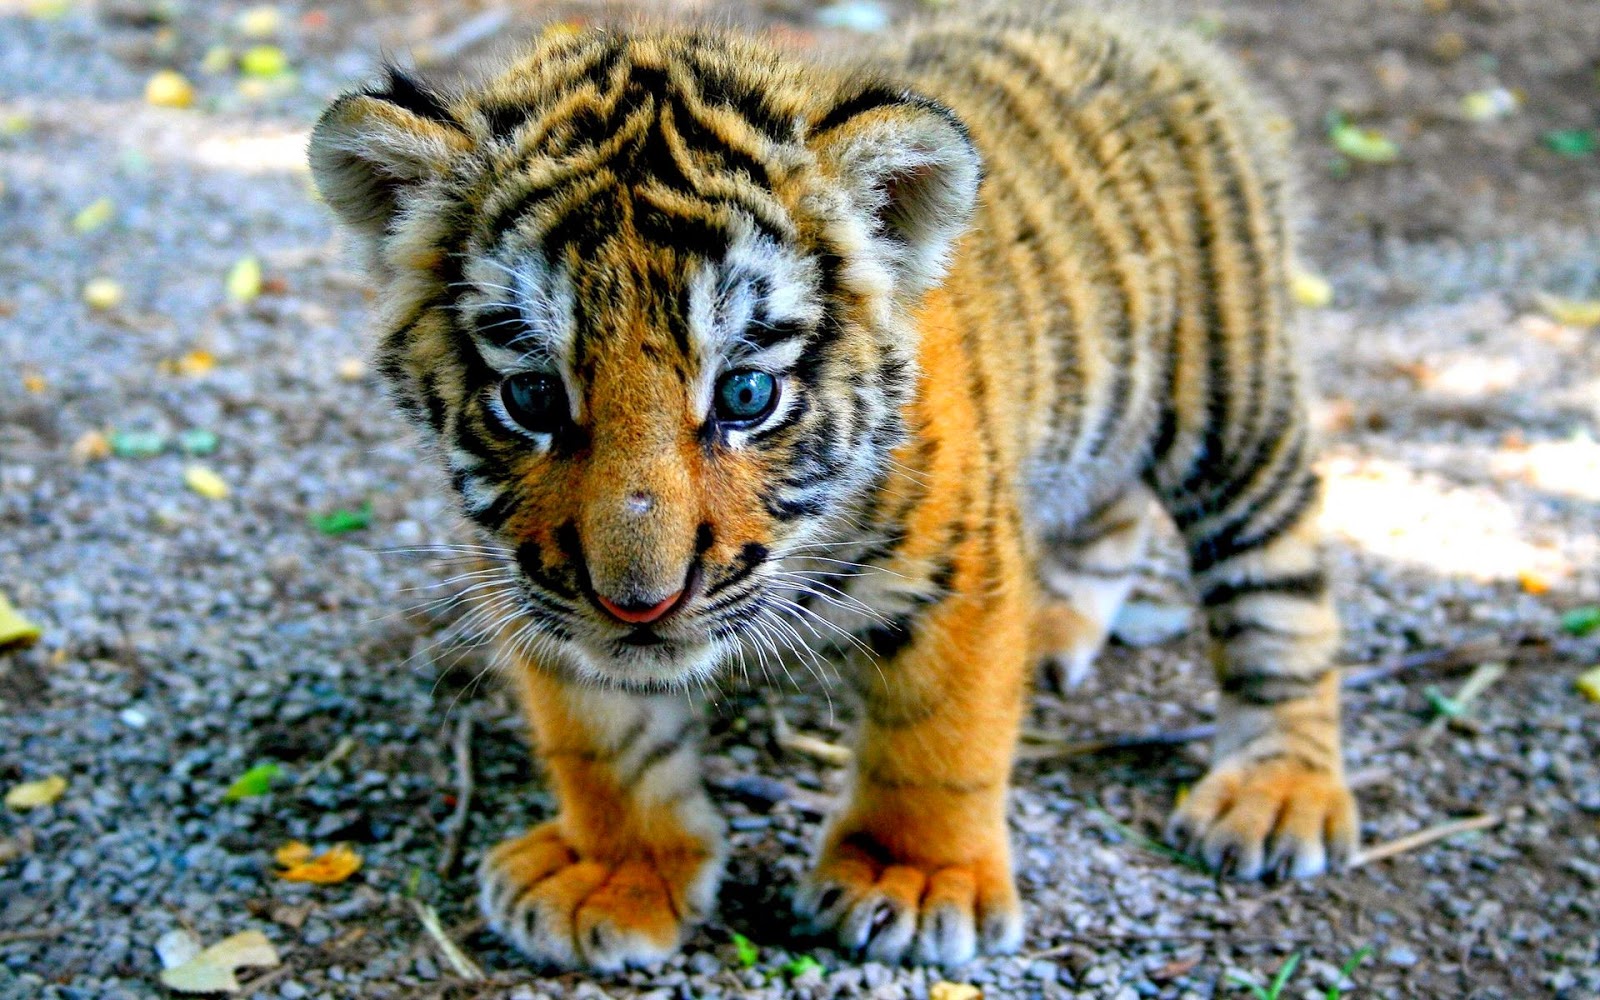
(663, 142)
(754, 302)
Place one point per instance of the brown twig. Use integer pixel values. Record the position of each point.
(451, 851)
(1045, 748)
(32, 934)
(340, 751)
(1422, 838)
(457, 959)
(252, 986)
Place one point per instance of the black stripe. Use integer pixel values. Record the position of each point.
(1222, 547)
(657, 754)
(1311, 585)
(405, 91)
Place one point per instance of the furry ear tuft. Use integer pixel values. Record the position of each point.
(909, 162)
(370, 148)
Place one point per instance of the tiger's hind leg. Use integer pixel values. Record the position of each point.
(1275, 800)
(1087, 575)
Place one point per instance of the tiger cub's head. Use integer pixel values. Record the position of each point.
(648, 294)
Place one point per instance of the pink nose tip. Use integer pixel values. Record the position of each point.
(635, 614)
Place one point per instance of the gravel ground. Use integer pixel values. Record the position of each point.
(187, 639)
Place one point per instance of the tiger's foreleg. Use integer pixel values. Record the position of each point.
(634, 857)
(917, 865)
(1275, 800)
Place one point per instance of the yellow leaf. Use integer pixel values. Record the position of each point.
(1571, 312)
(954, 991)
(1588, 683)
(1532, 582)
(195, 363)
(35, 794)
(260, 22)
(94, 215)
(205, 482)
(352, 369)
(333, 865)
(292, 853)
(218, 59)
(48, 10)
(102, 294)
(1310, 290)
(169, 89)
(13, 627)
(263, 61)
(212, 971)
(91, 446)
(244, 280)
(34, 382)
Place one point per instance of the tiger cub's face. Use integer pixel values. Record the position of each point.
(649, 295)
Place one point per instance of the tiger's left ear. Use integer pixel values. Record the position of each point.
(372, 150)
(909, 162)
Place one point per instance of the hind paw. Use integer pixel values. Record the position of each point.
(1273, 818)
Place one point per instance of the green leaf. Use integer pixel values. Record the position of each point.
(1442, 703)
(1281, 980)
(1249, 984)
(256, 781)
(1581, 621)
(748, 952)
(341, 521)
(796, 967)
(197, 441)
(1364, 144)
(137, 444)
(1575, 143)
(1334, 992)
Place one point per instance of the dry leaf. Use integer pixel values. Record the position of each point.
(1310, 290)
(212, 971)
(954, 991)
(92, 446)
(1588, 683)
(1571, 312)
(102, 294)
(169, 89)
(15, 629)
(205, 482)
(1533, 582)
(36, 794)
(299, 865)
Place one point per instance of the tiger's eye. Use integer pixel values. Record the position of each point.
(745, 396)
(535, 400)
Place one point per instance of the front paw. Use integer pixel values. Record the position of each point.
(1273, 817)
(565, 910)
(894, 911)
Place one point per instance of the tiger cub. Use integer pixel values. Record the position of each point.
(732, 354)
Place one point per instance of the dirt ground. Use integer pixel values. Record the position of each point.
(187, 639)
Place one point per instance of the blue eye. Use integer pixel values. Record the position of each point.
(744, 397)
(535, 400)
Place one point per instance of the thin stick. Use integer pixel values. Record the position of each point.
(1481, 680)
(252, 986)
(1044, 748)
(453, 955)
(464, 786)
(340, 751)
(34, 934)
(811, 746)
(1422, 838)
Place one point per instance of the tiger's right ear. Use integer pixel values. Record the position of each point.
(371, 148)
